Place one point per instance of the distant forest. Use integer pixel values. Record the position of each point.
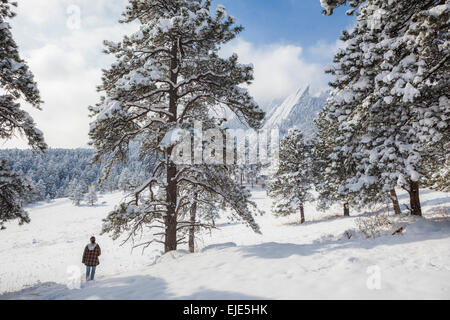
(58, 172)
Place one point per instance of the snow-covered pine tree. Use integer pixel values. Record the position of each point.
(77, 196)
(390, 94)
(12, 190)
(124, 180)
(168, 75)
(71, 187)
(40, 189)
(438, 168)
(330, 172)
(334, 168)
(330, 5)
(91, 196)
(76, 192)
(16, 83)
(292, 183)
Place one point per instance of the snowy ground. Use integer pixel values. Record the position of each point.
(289, 261)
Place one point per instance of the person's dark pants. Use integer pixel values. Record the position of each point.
(90, 272)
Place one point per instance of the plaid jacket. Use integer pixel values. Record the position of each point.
(90, 257)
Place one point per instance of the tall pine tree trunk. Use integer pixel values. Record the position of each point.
(395, 202)
(171, 218)
(346, 210)
(302, 214)
(193, 217)
(414, 199)
(171, 222)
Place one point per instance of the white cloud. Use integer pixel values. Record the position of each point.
(324, 51)
(280, 69)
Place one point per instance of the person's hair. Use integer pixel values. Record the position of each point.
(92, 239)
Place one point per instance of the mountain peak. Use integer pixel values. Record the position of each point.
(302, 91)
(298, 110)
(306, 91)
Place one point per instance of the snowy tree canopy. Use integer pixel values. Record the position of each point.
(12, 189)
(330, 5)
(330, 171)
(390, 96)
(167, 75)
(17, 82)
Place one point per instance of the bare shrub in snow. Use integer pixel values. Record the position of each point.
(440, 213)
(374, 226)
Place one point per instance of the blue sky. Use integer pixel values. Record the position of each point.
(288, 41)
(297, 22)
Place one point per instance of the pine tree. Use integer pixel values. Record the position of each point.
(91, 196)
(77, 196)
(71, 187)
(438, 169)
(75, 192)
(124, 180)
(330, 170)
(390, 96)
(292, 183)
(330, 5)
(12, 190)
(40, 190)
(167, 76)
(16, 83)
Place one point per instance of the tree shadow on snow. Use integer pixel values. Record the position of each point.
(219, 246)
(227, 224)
(325, 219)
(206, 294)
(275, 250)
(36, 292)
(97, 205)
(126, 288)
(434, 202)
(405, 195)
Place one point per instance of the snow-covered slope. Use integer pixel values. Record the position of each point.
(289, 261)
(298, 110)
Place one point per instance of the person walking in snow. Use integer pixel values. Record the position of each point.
(90, 258)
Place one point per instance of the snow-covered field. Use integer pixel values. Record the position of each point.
(289, 261)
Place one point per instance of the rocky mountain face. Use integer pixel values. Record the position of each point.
(297, 111)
